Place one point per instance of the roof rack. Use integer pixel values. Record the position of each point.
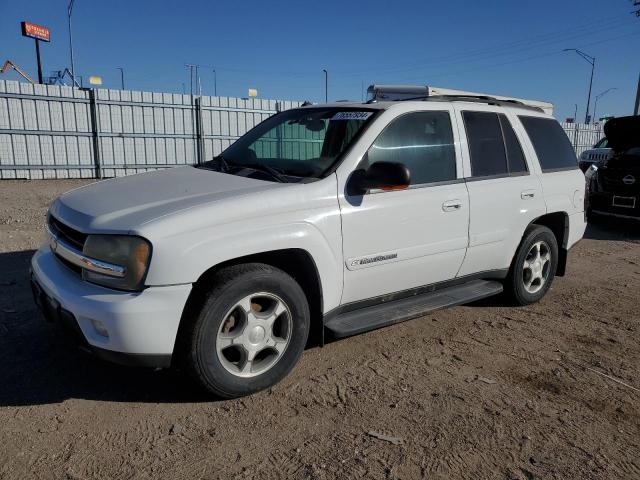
(418, 92)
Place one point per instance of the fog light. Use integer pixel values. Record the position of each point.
(100, 329)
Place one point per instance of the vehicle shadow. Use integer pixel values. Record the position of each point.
(38, 366)
(611, 228)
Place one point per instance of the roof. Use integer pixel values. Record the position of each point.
(409, 92)
(384, 105)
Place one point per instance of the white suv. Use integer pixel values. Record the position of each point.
(327, 219)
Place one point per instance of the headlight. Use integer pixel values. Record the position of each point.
(130, 253)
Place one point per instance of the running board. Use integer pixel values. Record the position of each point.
(381, 315)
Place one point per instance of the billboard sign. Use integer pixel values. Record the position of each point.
(35, 31)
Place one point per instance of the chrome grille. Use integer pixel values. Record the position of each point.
(70, 235)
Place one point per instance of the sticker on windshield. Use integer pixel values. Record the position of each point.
(351, 116)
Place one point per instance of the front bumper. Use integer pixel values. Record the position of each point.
(602, 203)
(141, 327)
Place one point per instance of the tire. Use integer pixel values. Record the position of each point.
(250, 309)
(526, 285)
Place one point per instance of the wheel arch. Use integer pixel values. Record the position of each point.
(558, 223)
(296, 262)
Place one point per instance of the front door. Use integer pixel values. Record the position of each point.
(399, 240)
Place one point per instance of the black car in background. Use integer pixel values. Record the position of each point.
(613, 185)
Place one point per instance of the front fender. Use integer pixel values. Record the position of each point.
(173, 264)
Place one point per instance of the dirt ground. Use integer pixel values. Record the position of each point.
(481, 391)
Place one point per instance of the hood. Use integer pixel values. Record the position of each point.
(124, 204)
(623, 133)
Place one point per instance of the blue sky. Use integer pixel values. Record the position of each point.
(280, 47)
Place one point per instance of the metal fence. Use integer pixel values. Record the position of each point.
(583, 136)
(51, 131)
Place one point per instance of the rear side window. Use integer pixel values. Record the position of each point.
(486, 146)
(551, 143)
(423, 141)
(515, 157)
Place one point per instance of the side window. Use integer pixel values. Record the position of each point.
(550, 142)
(423, 141)
(486, 145)
(515, 157)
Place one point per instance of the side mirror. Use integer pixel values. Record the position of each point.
(382, 175)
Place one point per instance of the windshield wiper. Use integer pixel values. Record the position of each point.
(220, 163)
(275, 173)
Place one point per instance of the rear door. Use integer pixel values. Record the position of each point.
(505, 194)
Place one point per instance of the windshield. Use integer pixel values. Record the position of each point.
(603, 143)
(298, 143)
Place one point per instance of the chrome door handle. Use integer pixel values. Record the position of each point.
(451, 205)
(527, 194)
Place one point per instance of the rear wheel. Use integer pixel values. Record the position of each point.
(534, 266)
(250, 331)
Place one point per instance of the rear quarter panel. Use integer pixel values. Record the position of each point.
(563, 190)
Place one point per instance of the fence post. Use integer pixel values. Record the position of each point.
(95, 130)
(199, 132)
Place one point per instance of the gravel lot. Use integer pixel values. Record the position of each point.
(482, 391)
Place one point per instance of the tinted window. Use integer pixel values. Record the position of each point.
(515, 157)
(486, 145)
(423, 141)
(551, 143)
(603, 143)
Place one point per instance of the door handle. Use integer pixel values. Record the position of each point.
(451, 205)
(526, 194)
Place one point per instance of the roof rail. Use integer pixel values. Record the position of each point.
(419, 92)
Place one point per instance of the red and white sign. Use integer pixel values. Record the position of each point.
(36, 31)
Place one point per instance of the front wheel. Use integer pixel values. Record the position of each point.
(249, 332)
(534, 266)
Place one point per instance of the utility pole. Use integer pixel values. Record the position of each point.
(121, 77)
(636, 110)
(326, 85)
(592, 61)
(198, 84)
(190, 66)
(73, 68)
(215, 83)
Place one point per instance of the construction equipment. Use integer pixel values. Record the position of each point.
(9, 64)
(58, 78)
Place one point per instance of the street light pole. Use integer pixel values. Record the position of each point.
(592, 61)
(121, 77)
(73, 68)
(600, 95)
(636, 109)
(215, 83)
(326, 85)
